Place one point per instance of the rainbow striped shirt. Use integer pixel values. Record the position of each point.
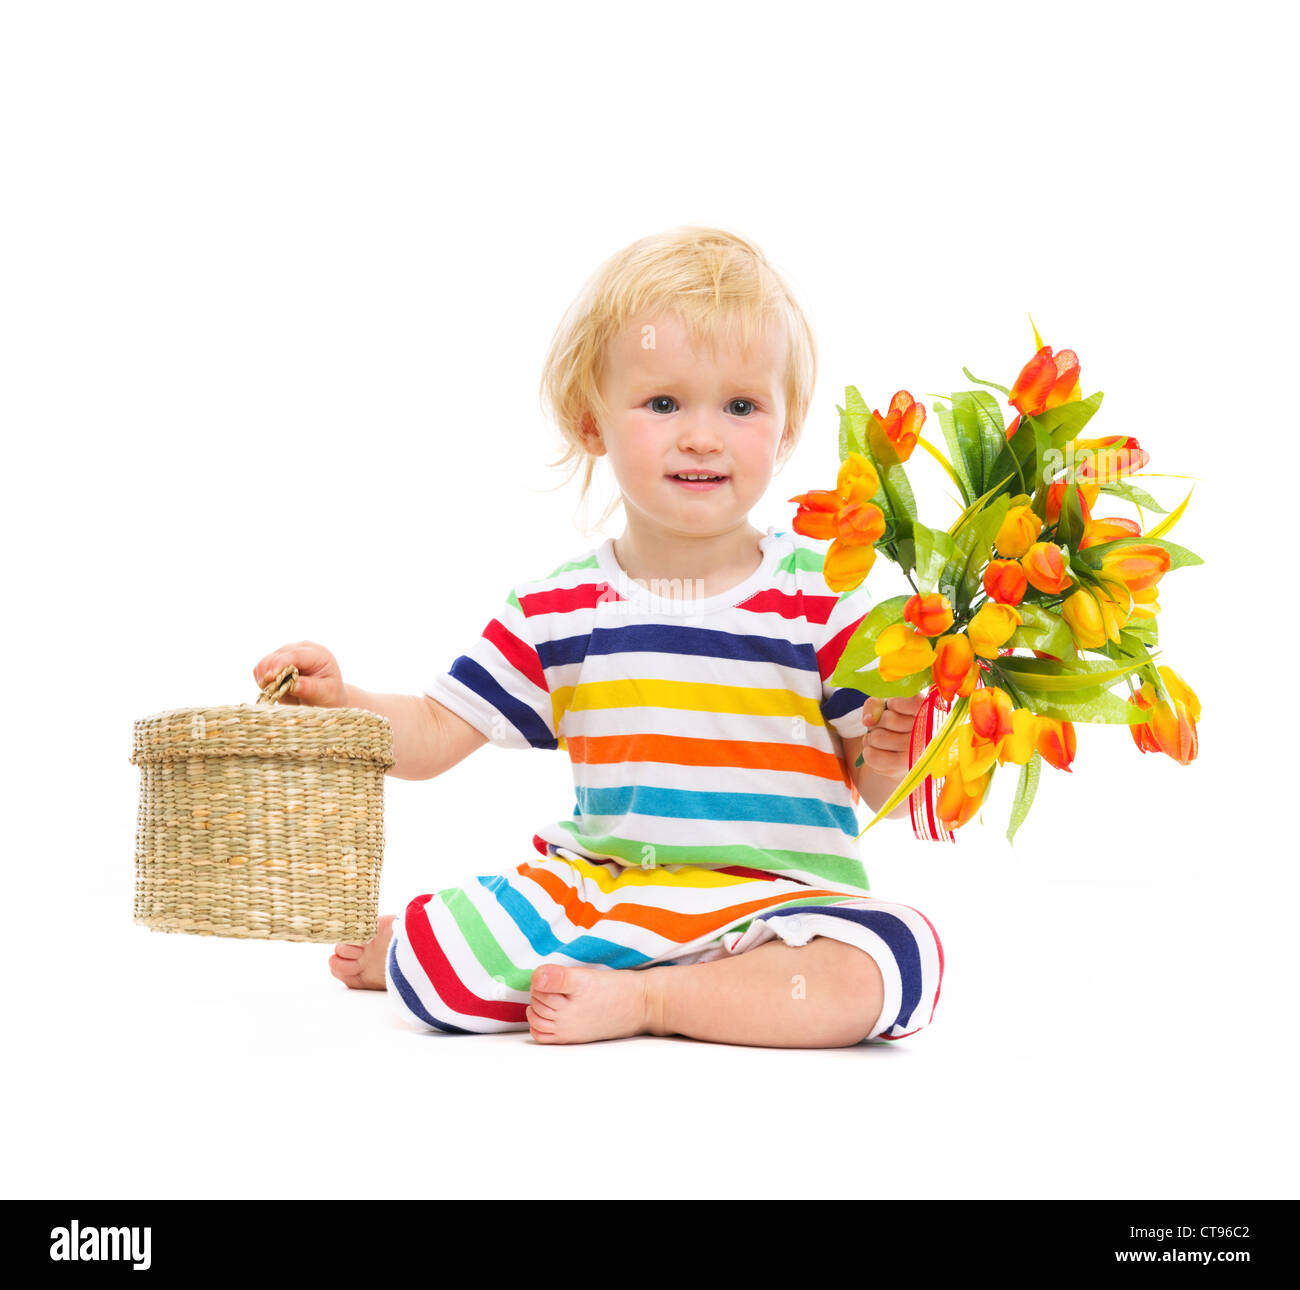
(701, 730)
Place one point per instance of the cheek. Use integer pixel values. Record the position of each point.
(638, 449)
(757, 450)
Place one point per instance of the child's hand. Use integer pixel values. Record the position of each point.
(319, 684)
(889, 721)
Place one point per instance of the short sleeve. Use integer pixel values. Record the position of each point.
(841, 706)
(499, 684)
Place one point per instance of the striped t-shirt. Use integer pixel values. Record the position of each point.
(701, 730)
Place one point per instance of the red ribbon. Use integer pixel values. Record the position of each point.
(923, 799)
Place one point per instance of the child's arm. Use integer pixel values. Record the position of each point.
(884, 751)
(427, 737)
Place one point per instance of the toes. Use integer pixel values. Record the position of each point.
(347, 970)
(541, 1027)
(552, 977)
(346, 950)
(539, 1007)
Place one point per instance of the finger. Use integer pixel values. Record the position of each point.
(872, 710)
(888, 765)
(892, 720)
(888, 740)
(911, 704)
(265, 670)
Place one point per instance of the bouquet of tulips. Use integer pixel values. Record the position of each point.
(1027, 611)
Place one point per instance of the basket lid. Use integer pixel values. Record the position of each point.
(263, 729)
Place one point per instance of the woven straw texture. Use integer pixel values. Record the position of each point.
(261, 821)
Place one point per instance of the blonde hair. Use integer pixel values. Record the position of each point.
(710, 280)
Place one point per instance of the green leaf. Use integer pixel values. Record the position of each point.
(871, 682)
(955, 452)
(1069, 530)
(933, 549)
(991, 384)
(1066, 421)
(1025, 790)
(1138, 633)
(1043, 630)
(1099, 706)
(978, 436)
(857, 414)
(972, 546)
(1046, 675)
(1131, 493)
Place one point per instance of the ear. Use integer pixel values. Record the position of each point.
(591, 436)
(784, 446)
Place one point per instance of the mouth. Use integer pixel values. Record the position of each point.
(698, 482)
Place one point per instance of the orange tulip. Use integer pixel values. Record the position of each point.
(1088, 492)
(992, 627)
(1094, 617)
(818, 514)
(1171, 728)
(1046, 381)
(847, 564)
(1018, 746)
(954, 670)
(1005, 582)
(901, 652)
(990, 714)
(860, 524)
(1018, 531)
(1106, 460)
(1045, 568)
(1056, 742)
(1138, 565)
(930, 615)
(902, 425)
(958, 802)
(1107, 529)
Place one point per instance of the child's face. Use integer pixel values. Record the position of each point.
(672, 410)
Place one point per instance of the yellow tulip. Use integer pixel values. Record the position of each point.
(901, 652)
(1018, 532)
(1018, 746)
(847, 564)
(857, 480)
(1094, 617)
(992, 627)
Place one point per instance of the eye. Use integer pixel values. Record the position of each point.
(745, 403)
(660, 398)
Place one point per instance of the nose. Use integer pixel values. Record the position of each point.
(699, 432)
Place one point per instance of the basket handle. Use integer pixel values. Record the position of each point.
(285, 681)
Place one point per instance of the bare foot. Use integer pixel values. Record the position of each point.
(361, 967)
(573, 1005)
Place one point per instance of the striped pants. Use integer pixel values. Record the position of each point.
(461, 960)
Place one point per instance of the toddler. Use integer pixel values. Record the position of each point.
(707, 883)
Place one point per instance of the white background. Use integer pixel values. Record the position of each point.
(277, 281)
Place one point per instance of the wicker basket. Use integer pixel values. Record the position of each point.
(261, 821)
